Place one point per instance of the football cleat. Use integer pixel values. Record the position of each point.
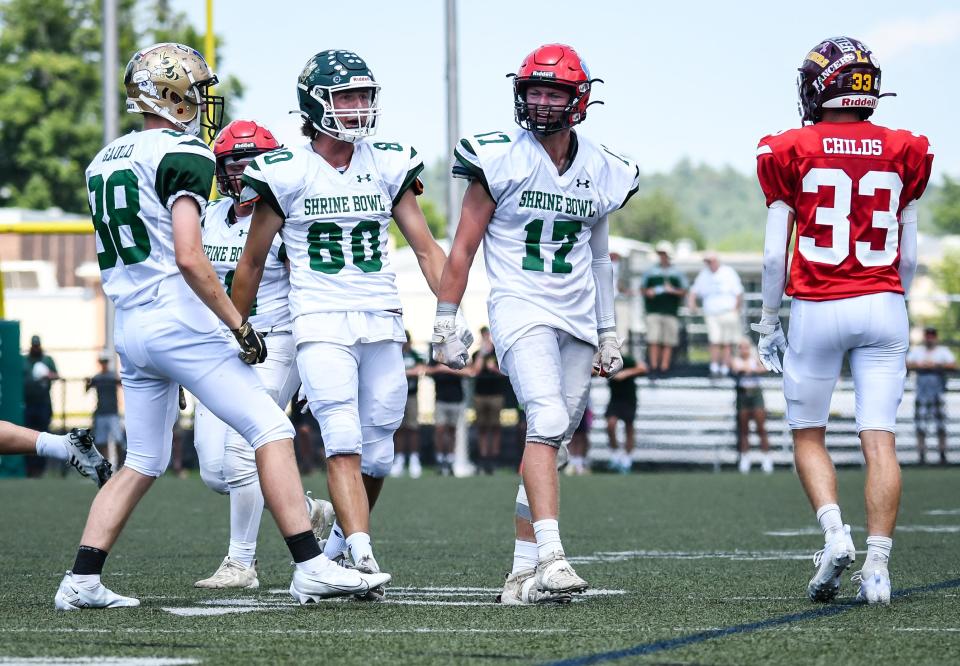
(832, 560)
(322, 516)
(396, 471)
(232, 574)
(555, 574)
(85, 458)
(332, 581)
(368, 565)
(874, 585)
(520, 589)
(73, 596)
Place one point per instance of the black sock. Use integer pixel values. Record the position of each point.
(89, 561)
(303, 546)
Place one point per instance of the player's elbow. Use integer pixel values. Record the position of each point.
(188, 260)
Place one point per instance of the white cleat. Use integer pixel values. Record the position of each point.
(231, 574)
(520, 589)
(85, 458)
(874, 585)
(396, 471)
(836, 556)
(73, 596)
(368, 565)
(333, 581)
(322, 516)
(555, 574)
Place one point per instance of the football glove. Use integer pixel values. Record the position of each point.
(449, 345)
(772, 340)
(608, 361)
(253, 347)
(181, 398)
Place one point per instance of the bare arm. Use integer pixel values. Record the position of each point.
(475, 215)
(263, 227)
(413, 226)
(194, 265)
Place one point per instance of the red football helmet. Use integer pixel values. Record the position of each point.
(240, 141)
(838, 73)
(558, 66)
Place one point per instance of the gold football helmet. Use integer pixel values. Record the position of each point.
(172, 81)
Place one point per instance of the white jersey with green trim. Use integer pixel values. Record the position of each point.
(132, 184)
(335, 224)
(224, 235)
(537, 245)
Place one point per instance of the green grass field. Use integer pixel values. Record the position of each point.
(674, 559)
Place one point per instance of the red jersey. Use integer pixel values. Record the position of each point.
(847, 184)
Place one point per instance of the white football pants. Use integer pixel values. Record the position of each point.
(874, 330)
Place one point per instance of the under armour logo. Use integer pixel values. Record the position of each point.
(242, 232)
(583, 183)
(364, 177)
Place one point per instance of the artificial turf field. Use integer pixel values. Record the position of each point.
(686, 567)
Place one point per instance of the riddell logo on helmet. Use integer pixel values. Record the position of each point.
(859, 101)
(244, 146)
(543, 74)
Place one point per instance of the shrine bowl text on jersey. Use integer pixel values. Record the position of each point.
(847, 184)
(335, 229)
(132, 184)
(537, 245)
(224, 236)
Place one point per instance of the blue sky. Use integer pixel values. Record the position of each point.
(702, 80)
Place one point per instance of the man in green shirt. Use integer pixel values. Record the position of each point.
(663, 289)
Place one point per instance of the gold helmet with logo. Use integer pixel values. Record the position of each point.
(172, 81)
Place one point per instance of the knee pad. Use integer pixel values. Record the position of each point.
(523, 506)
(547, 423)
(213, 478)
(376, 459)
(146, 465)
(341, 432)
(239, 462)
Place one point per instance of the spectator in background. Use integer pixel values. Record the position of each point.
(747, 369)
(107, 431)
(488, 393)
(931, 360)
(408, 435)
(721, 292)
(663, 288)
(623, 407)
(39, 373)
(449, 407)
(579, 444)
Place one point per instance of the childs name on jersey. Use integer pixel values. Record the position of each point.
(866, 147)
(315, 206)
(557, 203)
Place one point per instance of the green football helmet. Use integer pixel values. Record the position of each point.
(330, 72)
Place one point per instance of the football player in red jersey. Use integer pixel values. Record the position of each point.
(849, 188)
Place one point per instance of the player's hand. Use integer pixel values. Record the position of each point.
(181, 398)
(463, 330)
(253, 347)
(772, 341)
(608, 361)
(448, 346)
(302, 405)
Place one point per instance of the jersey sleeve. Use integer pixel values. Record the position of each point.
(185, 170)
(623, 178)
(775, 177)
(920, 163)
(467, 165)
(258, 185)
(411, 176)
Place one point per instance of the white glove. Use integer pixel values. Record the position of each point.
(772, 340)
(463, 330)
(448, 345)
(302, 404)
(608, 361)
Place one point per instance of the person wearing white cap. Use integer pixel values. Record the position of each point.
(664, 287)
(721, 292)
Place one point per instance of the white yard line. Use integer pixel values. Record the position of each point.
(118, 661)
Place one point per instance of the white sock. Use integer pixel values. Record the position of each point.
(88, 581)
(314, 564)
(246, 508)
(525, 555)
(414, 458)
(336, 544)
(878, 551)
(548, 537)
(359, 545)
(400, 460)
(52, 446)
(830, 521)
